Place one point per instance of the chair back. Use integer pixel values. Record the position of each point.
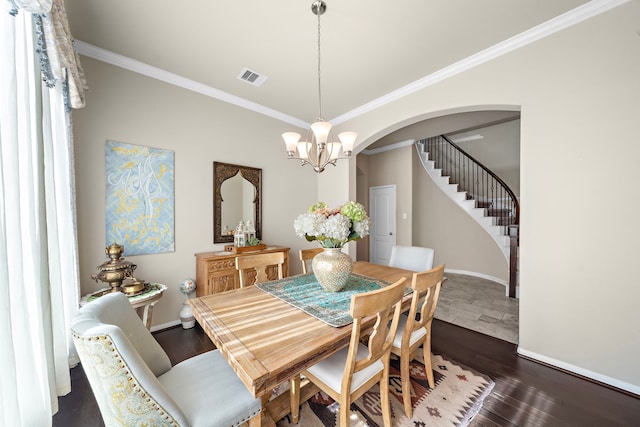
(307, 255)
(259, 263)
(385, 305)
(121, 360)
(426, 290)
(414, 258)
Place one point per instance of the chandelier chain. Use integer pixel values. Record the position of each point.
(319, 74)
(320, 148)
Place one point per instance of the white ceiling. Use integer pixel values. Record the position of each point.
(369, 49)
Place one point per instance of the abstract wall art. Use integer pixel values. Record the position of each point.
(140, 211)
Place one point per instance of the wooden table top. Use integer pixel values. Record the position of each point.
(267, 341)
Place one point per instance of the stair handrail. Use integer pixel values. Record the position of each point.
(508, 190)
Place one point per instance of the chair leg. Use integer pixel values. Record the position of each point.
(294, 398)
(384, 397)
(427, 361)
(345, 410)
(406, 384)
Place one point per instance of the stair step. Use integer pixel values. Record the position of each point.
(468, 204)
(503, 220)
(498, 211)
(456, 196)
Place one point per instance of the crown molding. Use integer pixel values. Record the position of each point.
(394, 146)
(467, 138)
(136, 66)
(560, 22)
(568, 19)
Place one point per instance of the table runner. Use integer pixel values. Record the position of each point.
(305, 293)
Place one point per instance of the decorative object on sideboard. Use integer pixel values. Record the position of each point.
(320, 148)
(245, 235)
(115, 269)
(240, 236)
(332, 229)
(187, 286)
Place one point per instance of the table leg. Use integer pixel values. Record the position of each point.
(294, 398)
(281, 405)
(145, 312)
(266, 420)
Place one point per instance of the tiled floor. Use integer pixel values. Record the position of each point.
(480, 305)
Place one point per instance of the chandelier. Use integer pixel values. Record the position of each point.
(319, 148)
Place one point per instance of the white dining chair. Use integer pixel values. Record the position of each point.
(414, 258)
(134, 383)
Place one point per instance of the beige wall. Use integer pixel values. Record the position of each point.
(458, 240)
(127, 107)
(499, 150)
(394, 168)
(362, 196)
(578, 92)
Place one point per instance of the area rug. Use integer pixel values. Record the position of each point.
(457, 397)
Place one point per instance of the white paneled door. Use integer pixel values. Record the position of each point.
(382, 211)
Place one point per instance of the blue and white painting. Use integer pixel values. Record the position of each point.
(139, 198)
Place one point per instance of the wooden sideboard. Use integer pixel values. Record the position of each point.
(216, 271)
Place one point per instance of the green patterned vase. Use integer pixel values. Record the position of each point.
(332, 268)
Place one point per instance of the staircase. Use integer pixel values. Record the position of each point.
(478, 191)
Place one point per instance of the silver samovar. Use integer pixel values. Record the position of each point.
(115, 269)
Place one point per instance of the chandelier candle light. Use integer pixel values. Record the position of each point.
(320, 147)
(332, 228)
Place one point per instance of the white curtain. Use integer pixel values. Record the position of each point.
(39, 284)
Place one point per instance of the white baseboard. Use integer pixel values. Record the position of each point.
(165, 325)
(484, 276)
(622, 385)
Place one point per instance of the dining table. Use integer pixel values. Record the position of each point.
(268, 341)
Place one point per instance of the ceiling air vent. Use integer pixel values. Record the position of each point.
(251, 77)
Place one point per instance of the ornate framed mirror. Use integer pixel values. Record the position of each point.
(237, 196)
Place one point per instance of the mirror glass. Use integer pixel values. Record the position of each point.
(237, 197)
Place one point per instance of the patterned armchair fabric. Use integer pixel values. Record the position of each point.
(121, 398)
(134, 383)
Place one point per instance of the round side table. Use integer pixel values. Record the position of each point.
(143, 303)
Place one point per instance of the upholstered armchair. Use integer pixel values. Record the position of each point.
(134, 383)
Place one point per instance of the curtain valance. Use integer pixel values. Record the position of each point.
(58, 59)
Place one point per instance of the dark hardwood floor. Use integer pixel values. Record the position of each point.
(526, 393)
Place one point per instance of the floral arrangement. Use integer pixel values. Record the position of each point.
(332, 228)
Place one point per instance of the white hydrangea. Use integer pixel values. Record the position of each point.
(336, 227)
(362, 227)
(332, 228)
(308, 223)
